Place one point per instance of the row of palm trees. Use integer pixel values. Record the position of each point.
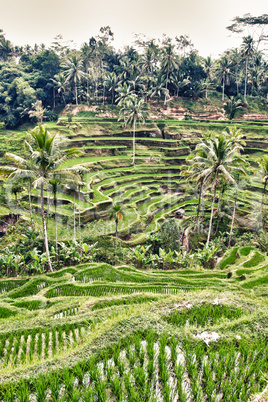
(216, 161)
(162, 72)
(42, 167)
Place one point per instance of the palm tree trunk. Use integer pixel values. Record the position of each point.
(233, 218)
(198, 207)
(134, 128)
(262, 201)
(48, 205)
(166, 89)
(245, 89)
(223, 84)
(211, 215)
(218, 211)
(79, 214)
(44, 227)
(63, 97)
(30, 201)
(74, 214)
(76, 100)
(55, 218)
(116, 228)
(54, 100)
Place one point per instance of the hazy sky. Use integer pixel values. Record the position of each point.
(205, 21)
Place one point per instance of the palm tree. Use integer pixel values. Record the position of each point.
(116, 214)
(247, 51)
(6, 48)
(219, 157)
(232, 106)
(208, 67)
(46, 155)
(169, 63)
(73, 67)
(158, 88)
(223, 73)
(192, 173)
(263, 164)
(132, 112)
(59, 81)
(124, 91)
(111, 82)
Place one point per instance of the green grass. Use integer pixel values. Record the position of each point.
(255, 260)
(230, 259)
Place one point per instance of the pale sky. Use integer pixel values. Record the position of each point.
(205, 21)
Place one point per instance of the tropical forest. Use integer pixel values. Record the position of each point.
(134, 219)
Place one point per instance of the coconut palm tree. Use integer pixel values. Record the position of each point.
(208, 67)
(222, 72)
(73, 67)
(59, 81)
(46, 154)
(232, 106)
(193, 174)
(111, 82)
(132, 112)
(158, 88)
(220, 156)
(169, 63)
(247, 52)
(6, 49)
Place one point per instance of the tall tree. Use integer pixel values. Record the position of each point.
(111, 82)
(219, 157)
(46, 154)
(222, 71)
(73, 70)
(169, 63)
(60, 83)
(116, 214)
(133, 112)
(208, 67)
(247, 52)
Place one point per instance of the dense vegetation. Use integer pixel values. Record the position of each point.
(134, 247)
(60, 75)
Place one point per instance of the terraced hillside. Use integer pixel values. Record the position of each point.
(95, 332)
(151, 190)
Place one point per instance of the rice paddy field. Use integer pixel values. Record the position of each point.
(96, 332)
(100, 332)
(150, 191)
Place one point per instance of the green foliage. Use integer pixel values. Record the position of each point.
(123, 301)
(245, 251)
(204, 314)
(29, 305)
(169, 235)
(230, 259)
(6, 312)
(255, 260)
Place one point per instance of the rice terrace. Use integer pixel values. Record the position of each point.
(133, 222)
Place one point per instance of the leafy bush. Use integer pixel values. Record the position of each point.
(169, 234)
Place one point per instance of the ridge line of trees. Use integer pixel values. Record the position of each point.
(61, 75)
